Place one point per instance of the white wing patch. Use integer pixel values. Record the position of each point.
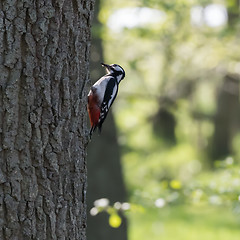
(100, 87)
(114, 93)
(109, 97)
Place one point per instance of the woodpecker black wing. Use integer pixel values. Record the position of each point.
(109, 97)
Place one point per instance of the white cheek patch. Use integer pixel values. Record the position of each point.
(119, 78)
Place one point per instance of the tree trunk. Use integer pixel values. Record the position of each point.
(226, 119)
(44, 61)
(233, 14)
(105, 178)
(105, 181)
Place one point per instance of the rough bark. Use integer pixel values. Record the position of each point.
(44, 54)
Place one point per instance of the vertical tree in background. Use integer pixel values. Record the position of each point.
(104, 167)
(233, 13)
(226, 118)
(44, 64)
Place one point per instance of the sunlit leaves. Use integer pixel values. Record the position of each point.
(184, 63)
(175, 184)
(114, 220)
(115, 211)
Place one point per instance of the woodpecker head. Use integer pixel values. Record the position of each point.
(115, 70)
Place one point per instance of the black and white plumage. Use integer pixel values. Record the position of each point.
(102, 95)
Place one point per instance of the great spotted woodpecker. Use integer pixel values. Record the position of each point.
(102, 95)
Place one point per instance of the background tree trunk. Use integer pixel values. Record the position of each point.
(44, 60)
(105, 179)
(226, 119)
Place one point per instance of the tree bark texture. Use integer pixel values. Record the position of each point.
(44, 66)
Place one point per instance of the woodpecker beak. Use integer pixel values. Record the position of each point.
(106, 66)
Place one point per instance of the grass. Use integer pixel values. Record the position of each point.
(184, 223)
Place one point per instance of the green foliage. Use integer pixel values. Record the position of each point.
(177, 66)
(186, 207)
(184, 223)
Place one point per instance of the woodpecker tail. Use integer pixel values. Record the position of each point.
(99, 128)
(90, 133)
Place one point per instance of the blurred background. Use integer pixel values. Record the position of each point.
(166, 165)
